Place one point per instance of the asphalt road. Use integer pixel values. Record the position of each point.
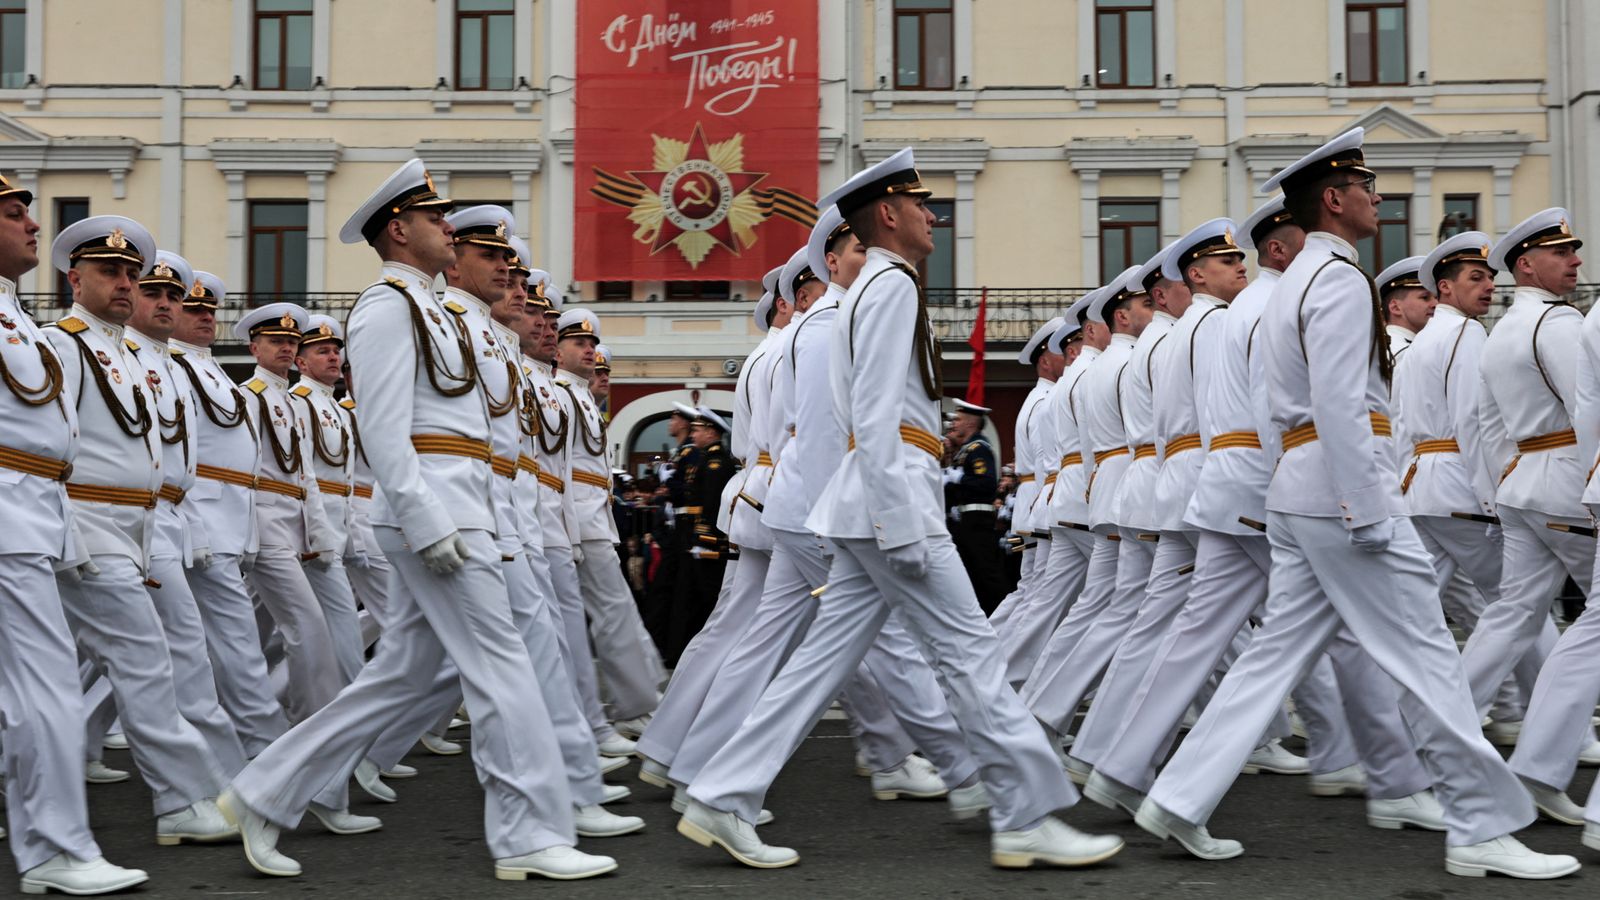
(432, 846)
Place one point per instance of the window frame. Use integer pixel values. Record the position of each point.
(613, 291)
(257, 16)
(252, 230)
(1127, 253)
(936, 295)
(1471, 224)
(678, 291)
(484, 16)
(1376, 259)
(1121, 12)
(58, 211)
(20, 8)
(896, 14)
(1370, 9)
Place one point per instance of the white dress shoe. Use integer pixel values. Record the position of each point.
(1506, 856)
(1591, 835)
(342, 821)
(1079, 771)
(1420, 810)
(79, 877)
(199, 822)
(1503, 734)
(1273, 758)
(439, 746)
(653, 773)
(1349, 781)
(1054, 843)
(609, 764)
(97, 772)
(260, 837)
(918, 782)
(1193, 838)
(863, 768)
(632, 728)
(611, 793)
(969, 802)
(367, 775)
(707, 827)
(563, 863)
(458, 722)
(596, 822)
(1553, 804)
(1590, 755)
(681, 801)
(1113, 794)
(400, 771)
(616, 745)
(116, 741)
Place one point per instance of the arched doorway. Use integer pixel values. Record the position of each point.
(643, 425)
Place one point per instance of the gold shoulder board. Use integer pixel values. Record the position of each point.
(255, 385)
(300, 390)
(129, 343)
(347, 403)
(455, 307)
(394, 282)
(72, 325)
(174, 351)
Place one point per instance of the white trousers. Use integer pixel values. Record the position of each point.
(1469, 551)
(1066, 673)
(698, 666)
(308, 649)
(193, 679)
(628, 660)
(1558, 725)
(369, 578)
(466, 617)
(41, 716)
(575, 623)
(1537, 560)
(1057, 582)
(1099, 587)
(234, 641)
(1023, 776)
(336, 594)
(117, 628)
(889, 665)
(1000, 619)
(1319, 583)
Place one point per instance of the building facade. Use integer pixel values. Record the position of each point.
(1064, 139)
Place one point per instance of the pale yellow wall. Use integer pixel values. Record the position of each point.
(205, 220)
(1043, 53)
(208, 43)
(1203, 195)
(382, 42)
(1286, 42)
(1201, 52)
(90, 42)
(1472, 40)
(1039, 248)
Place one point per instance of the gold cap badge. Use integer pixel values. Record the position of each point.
(116, 239)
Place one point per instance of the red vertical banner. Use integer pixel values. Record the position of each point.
(975, 376)
(696, 144)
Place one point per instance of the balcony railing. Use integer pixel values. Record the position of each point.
(1012, 315)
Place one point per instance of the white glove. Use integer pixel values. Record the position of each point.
(324, 560)
(909, 561)
(445, 555)
(952, 475)
(202, 558)
(83, 570)
(247, 562)
(1373, 538)
(577, 554)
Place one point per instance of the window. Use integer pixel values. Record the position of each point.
(1375, 42)
(283, 45)
(13, 44)
(277, 248)
(939, 269)
(484, 53)
(697, 290)
(1125, 43)
(1393, 242)
(614, 290)
(1130, 233)
(68, 211)
(924, 45)
(1460, 214)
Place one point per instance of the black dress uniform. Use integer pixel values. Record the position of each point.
(969, 504)
(706, 553)
(674, 538)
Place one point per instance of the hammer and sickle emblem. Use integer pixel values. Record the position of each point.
(697, 193)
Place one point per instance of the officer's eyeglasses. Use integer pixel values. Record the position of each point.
(1369, 184)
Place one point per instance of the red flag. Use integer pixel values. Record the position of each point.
(975, 377)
